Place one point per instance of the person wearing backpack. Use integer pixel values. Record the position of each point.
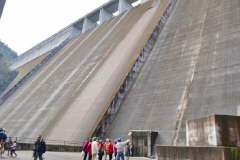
(39, 148)
(101, 150)
(3, 138)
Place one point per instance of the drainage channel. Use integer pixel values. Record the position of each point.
(33, 71)
(108, 117)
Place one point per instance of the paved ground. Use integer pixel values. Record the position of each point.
(27, 155)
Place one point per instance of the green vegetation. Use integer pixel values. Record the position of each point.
(6, 56)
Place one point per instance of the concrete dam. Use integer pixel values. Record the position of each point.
(150, 68)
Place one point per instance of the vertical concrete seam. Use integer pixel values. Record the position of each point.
(184, 101)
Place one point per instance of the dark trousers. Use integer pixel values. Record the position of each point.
(13, 151)
(110, 156)
(85, 155)
(38, 154)
(89, 156)
(100, 155)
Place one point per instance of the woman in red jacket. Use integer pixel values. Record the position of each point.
(110, 149)
(89, 148)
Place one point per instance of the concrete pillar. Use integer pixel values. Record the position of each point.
(88, 24)
(104, 16)
(123, 6)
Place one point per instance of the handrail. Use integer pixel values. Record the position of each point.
(48, 141)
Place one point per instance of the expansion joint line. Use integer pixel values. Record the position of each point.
(184, 100)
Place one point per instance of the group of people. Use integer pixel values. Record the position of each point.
(11, 146)
(95, 148)
(38, 150)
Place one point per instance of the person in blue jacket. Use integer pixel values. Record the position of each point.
(3, 138)
(39, 148)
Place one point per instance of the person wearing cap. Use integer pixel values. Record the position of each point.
(101, 149)
(110, 149)
(3, 138)
(39, 148)
(120, 148)
(94, 148)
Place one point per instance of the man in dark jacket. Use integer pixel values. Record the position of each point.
(3, 138)
(39, 148)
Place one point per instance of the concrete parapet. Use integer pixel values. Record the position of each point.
(44, 47)
(55, 148)
(197, 153)
(89, 21)
(214, 130)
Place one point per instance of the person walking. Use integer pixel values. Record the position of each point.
(94, 148)
(110, 149)
(120, 148)
(101, 149)
(39, 148)
(90, 149)
(85, 150)
(114, 148)
(9, 144)
(3, 137)
(13, 149)
(127, 151)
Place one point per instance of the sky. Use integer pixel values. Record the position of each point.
(25, 23)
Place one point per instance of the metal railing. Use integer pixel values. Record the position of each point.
(48, 141)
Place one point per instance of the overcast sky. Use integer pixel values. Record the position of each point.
(25, 23)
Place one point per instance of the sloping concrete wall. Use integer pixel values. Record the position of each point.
(192, 71)
(66, 98)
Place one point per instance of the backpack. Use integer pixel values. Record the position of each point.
(2, 136)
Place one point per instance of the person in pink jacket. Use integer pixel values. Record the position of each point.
(13, 149)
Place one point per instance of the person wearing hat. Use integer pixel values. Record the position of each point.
(3, 138)
(120, 148)
(95, 148)
(39, 148)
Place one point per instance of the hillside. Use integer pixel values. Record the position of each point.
(6, 76)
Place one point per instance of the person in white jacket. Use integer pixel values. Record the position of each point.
(95, 148)
(120, 148)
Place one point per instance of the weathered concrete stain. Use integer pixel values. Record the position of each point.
(214, 130)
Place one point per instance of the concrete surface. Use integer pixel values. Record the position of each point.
(82, 25)
(27, 155)
(67, 97)
(192, 71)
(214, 130)
(197, 153)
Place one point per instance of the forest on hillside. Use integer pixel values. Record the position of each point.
(6, 56)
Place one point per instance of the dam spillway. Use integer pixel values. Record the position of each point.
(192, 71)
